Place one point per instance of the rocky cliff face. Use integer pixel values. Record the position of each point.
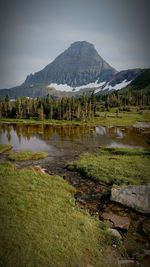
(78, 65)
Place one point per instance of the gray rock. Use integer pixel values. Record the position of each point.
(135, 197)
(115, 233)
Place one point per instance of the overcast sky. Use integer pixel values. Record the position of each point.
(34, 32)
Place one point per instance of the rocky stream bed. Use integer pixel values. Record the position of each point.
(133, 226)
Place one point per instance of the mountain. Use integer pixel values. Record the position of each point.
(140, 83)
(120, 80)
(78, 69)
(79, 65)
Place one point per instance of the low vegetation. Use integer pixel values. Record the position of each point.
(40, 224)
(26, 155)
(115, 165)
(5, 147)
(123, 118)
(127, 151)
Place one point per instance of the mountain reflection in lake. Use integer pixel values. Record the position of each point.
(79, 138)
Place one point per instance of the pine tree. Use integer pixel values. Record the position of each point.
(7, 106)
(41, 113)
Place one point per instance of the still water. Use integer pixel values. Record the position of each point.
(60, 139)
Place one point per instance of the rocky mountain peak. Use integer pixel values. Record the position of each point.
(81, 44)
(78, 65)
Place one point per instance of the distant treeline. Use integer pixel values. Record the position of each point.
(125, 98)
(66, 108)
(69, 108)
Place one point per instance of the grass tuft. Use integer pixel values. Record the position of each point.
(5, 147)
(115, 166)
(26, 155)
(127, 151)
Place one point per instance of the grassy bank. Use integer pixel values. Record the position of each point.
(103, 118)
(115, 165)
(40, 224)
(26, 155)
(4, 148)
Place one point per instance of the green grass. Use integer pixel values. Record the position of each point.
(103, 118)
(127, 151)
(115, 166)
(123, 119)
(4, 148)
(37, 122)
(26, 155)
(40, 224)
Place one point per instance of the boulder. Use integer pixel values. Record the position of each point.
(115, 233)
(133, 196)
(119, 222)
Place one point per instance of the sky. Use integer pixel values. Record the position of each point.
(34, 32)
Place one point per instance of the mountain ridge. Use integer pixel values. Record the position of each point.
(77, 70)
(79, 64)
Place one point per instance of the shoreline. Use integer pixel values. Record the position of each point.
(104, 119)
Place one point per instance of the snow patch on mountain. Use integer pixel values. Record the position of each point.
(99, 88)
(117, 86)
(90, 85)
(60, 87)
(67, 88)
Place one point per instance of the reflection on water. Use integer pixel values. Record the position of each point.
(56, 138)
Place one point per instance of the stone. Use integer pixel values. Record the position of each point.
(119, 222)
(133, 196)
(40, 169)
(146, 228)
(125, 262)
(141, 124)
(115, 233)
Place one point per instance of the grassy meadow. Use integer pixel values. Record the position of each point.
(115, 165)
(41, 225)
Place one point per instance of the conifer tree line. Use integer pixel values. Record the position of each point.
(66, 108)
(69, 108)
(125, 99)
